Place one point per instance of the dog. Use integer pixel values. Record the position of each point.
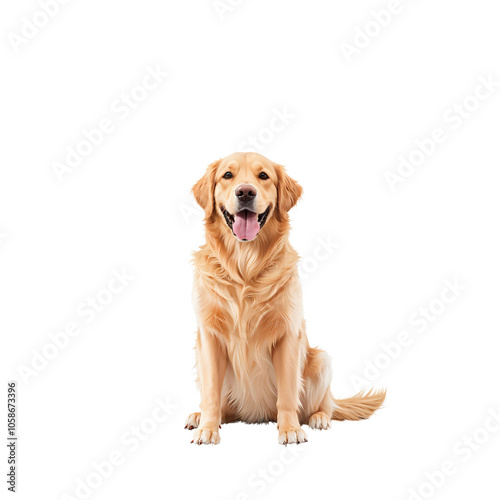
(254, 362)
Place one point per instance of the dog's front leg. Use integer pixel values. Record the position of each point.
(212, 362)
(287, 368)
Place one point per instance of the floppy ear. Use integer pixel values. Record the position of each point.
(203, 190)
(289, 191)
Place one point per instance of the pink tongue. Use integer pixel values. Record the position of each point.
(246, 226)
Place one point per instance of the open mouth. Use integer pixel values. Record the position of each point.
(246, 224)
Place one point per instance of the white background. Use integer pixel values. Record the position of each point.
(127, 205)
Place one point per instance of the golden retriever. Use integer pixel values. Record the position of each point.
(254, 362)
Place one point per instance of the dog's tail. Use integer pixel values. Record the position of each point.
(358, 407)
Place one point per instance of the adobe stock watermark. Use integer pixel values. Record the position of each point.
(324, 249)
(121, 109)
(130, 441)
(419, 322)
(32, 25)
(453, 119)
(259, 481)
(462, 451)
(281, 118)
(86, 312)
(367, 32)
(223, 7)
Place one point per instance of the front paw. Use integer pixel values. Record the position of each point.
(206, 435)
(290, 434)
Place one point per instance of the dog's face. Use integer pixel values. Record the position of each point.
(246, 190)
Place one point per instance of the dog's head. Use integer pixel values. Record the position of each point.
(246, 190)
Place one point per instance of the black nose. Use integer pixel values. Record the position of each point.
(245, 192)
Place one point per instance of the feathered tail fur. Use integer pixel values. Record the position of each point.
(358, 407)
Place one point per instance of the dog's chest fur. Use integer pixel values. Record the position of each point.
(248, 324)
(238, 313)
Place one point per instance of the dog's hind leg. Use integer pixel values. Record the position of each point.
(318, 404)
(228, 416)
(321, 418)
(317, 400)
(193, 421)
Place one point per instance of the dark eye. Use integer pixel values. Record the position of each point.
(228, 175)
(263, 175)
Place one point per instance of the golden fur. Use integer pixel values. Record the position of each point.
(253, 358)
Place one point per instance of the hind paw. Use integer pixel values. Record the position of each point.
(319, 420)
(193, 421)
